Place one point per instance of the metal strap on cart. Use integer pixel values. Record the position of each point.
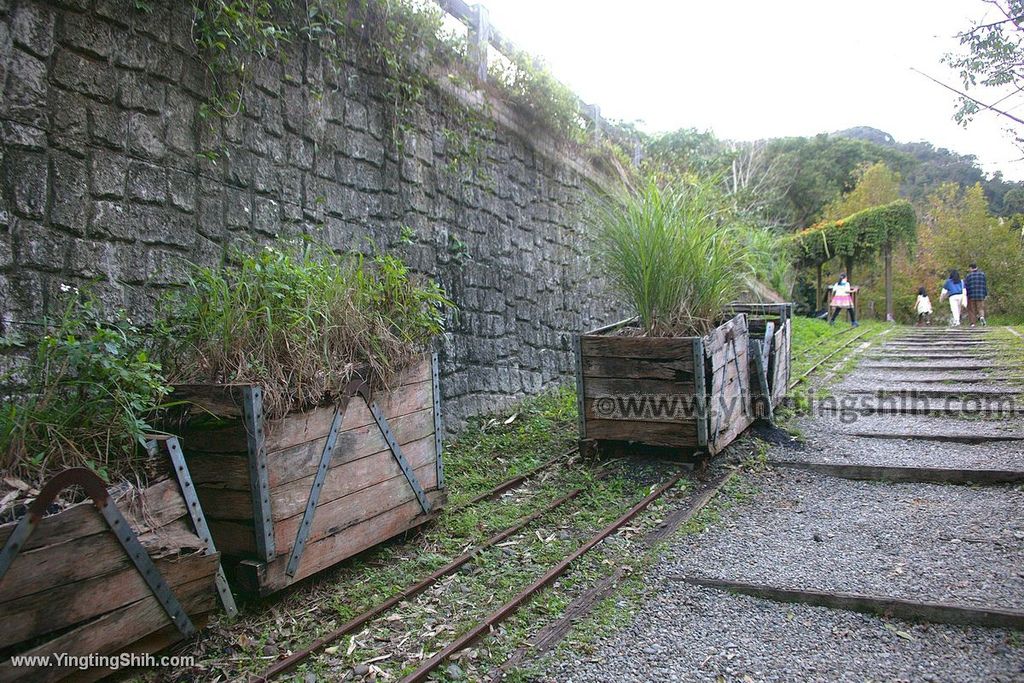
(762, 354)
(764, 395)
(101, 498)
(354, 388)
(195, 511)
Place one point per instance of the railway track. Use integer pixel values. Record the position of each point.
(486, 624)
(807, 373)
(354, 624)
(924, 549)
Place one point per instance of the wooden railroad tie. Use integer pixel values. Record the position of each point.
(900, 608)
(892, 473)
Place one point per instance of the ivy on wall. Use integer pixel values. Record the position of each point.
(403, 39)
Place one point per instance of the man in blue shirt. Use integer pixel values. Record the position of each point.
(977, 290)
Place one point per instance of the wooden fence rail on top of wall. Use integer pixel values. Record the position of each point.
(481, 34)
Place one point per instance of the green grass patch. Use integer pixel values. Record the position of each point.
(493, 448)
(815, 339)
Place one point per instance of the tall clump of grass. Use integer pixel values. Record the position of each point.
(769, 257)
(673, 252)
(300, 320)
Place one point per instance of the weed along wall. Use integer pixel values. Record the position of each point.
(113, 170)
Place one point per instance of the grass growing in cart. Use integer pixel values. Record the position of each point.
(83, 397)
(674, 252)
(299, 320)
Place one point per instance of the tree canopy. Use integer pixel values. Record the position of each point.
(991, 65)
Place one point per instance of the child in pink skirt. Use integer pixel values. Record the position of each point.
(842, 297)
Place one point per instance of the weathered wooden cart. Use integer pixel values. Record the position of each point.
(771, 335)
(687, 393)
(91, 581)
(287, 498)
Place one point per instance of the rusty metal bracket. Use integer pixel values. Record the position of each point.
(314, 493)
(195, 511)
(435, 375)
(396, 449)
(259, 481)
(577, 344)
(765, 394)
(101, 499)
(766, 348)
(739, 375)
(700, 392)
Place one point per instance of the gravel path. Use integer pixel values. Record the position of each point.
(952, 544)
(882, 375)
(919, 424)
(902, 365)
(858, 383)
(918, 541)
(971, 407)
(822, 446)
(689, 633)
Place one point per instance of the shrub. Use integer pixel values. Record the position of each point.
(82, 398)
(673, 252)
(299, 320)
(769, 256)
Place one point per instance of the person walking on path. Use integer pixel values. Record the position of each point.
(954, 290)
(842, 297)
(923, 307)
(977, 292)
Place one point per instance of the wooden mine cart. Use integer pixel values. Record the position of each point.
(130, 572)
(688, 393)
(771, 336)
(287, 498)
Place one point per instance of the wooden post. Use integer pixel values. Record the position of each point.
(478, 40)
(887, 251)
(595, 116)
(818, 290)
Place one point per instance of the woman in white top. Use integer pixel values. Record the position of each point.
(955, 290)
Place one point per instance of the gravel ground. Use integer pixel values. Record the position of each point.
(939, 346)
(947, 374)
(897, 363)
(822, 446)
(980, 407)
(928, 389)
(918, 541)
(919, 424)
(689, 633)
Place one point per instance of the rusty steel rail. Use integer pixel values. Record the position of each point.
(807, 373)
(512, 482)
(356, 622)
(509, 608)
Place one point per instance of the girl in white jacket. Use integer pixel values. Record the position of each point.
(923, 308)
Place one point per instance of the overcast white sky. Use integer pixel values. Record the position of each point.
(750, 69)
